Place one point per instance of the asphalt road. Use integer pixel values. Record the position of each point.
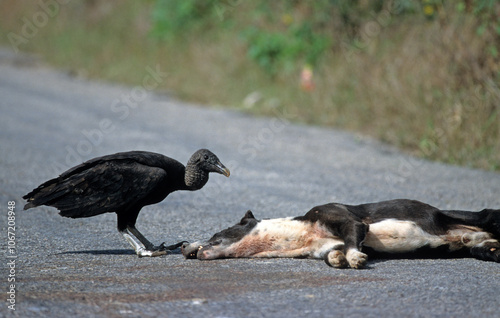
(63, 267)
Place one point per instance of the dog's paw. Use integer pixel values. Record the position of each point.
(356, 259)
(487, 251)
(337, 259)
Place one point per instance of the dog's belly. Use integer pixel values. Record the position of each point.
(397, 236)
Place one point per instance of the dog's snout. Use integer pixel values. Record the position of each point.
(190, 251)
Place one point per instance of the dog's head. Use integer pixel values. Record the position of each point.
(219, 246)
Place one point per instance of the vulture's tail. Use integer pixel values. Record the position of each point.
(48, 193)
(68, 195)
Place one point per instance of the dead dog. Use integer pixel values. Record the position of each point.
(342, 234)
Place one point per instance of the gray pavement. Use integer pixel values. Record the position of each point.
(62, 267)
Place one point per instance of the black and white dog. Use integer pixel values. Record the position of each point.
(342, 234)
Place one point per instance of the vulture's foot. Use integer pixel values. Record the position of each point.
(143, 247)
(162, 249)
(172, 247)
(149, 253)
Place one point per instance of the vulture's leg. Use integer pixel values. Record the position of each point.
(126, 227)
(142, 246)
(139, 247)
(149, 246)
(145, 248)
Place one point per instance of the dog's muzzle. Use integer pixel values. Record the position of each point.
(190, 251)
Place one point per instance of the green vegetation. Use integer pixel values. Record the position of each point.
(422, 75)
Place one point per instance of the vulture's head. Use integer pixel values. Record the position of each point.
(205, 160)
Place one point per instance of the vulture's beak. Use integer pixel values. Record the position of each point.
(220, 168)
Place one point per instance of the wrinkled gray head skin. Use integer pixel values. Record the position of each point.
(216, 247)
(208, 161)
(201, 163)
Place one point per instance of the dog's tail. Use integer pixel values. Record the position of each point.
(487, 219)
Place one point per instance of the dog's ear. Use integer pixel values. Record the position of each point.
(248, 215)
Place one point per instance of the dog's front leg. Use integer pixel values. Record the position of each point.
(354, 234)
(336, 258)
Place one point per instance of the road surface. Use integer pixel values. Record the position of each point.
(62, 267)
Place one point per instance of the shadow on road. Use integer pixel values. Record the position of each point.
(101, 252)
(111, 252)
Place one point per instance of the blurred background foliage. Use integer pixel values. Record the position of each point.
(423, 75)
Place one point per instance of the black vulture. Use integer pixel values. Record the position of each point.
(124, 183)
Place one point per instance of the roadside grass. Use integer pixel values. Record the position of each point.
(419, 85)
